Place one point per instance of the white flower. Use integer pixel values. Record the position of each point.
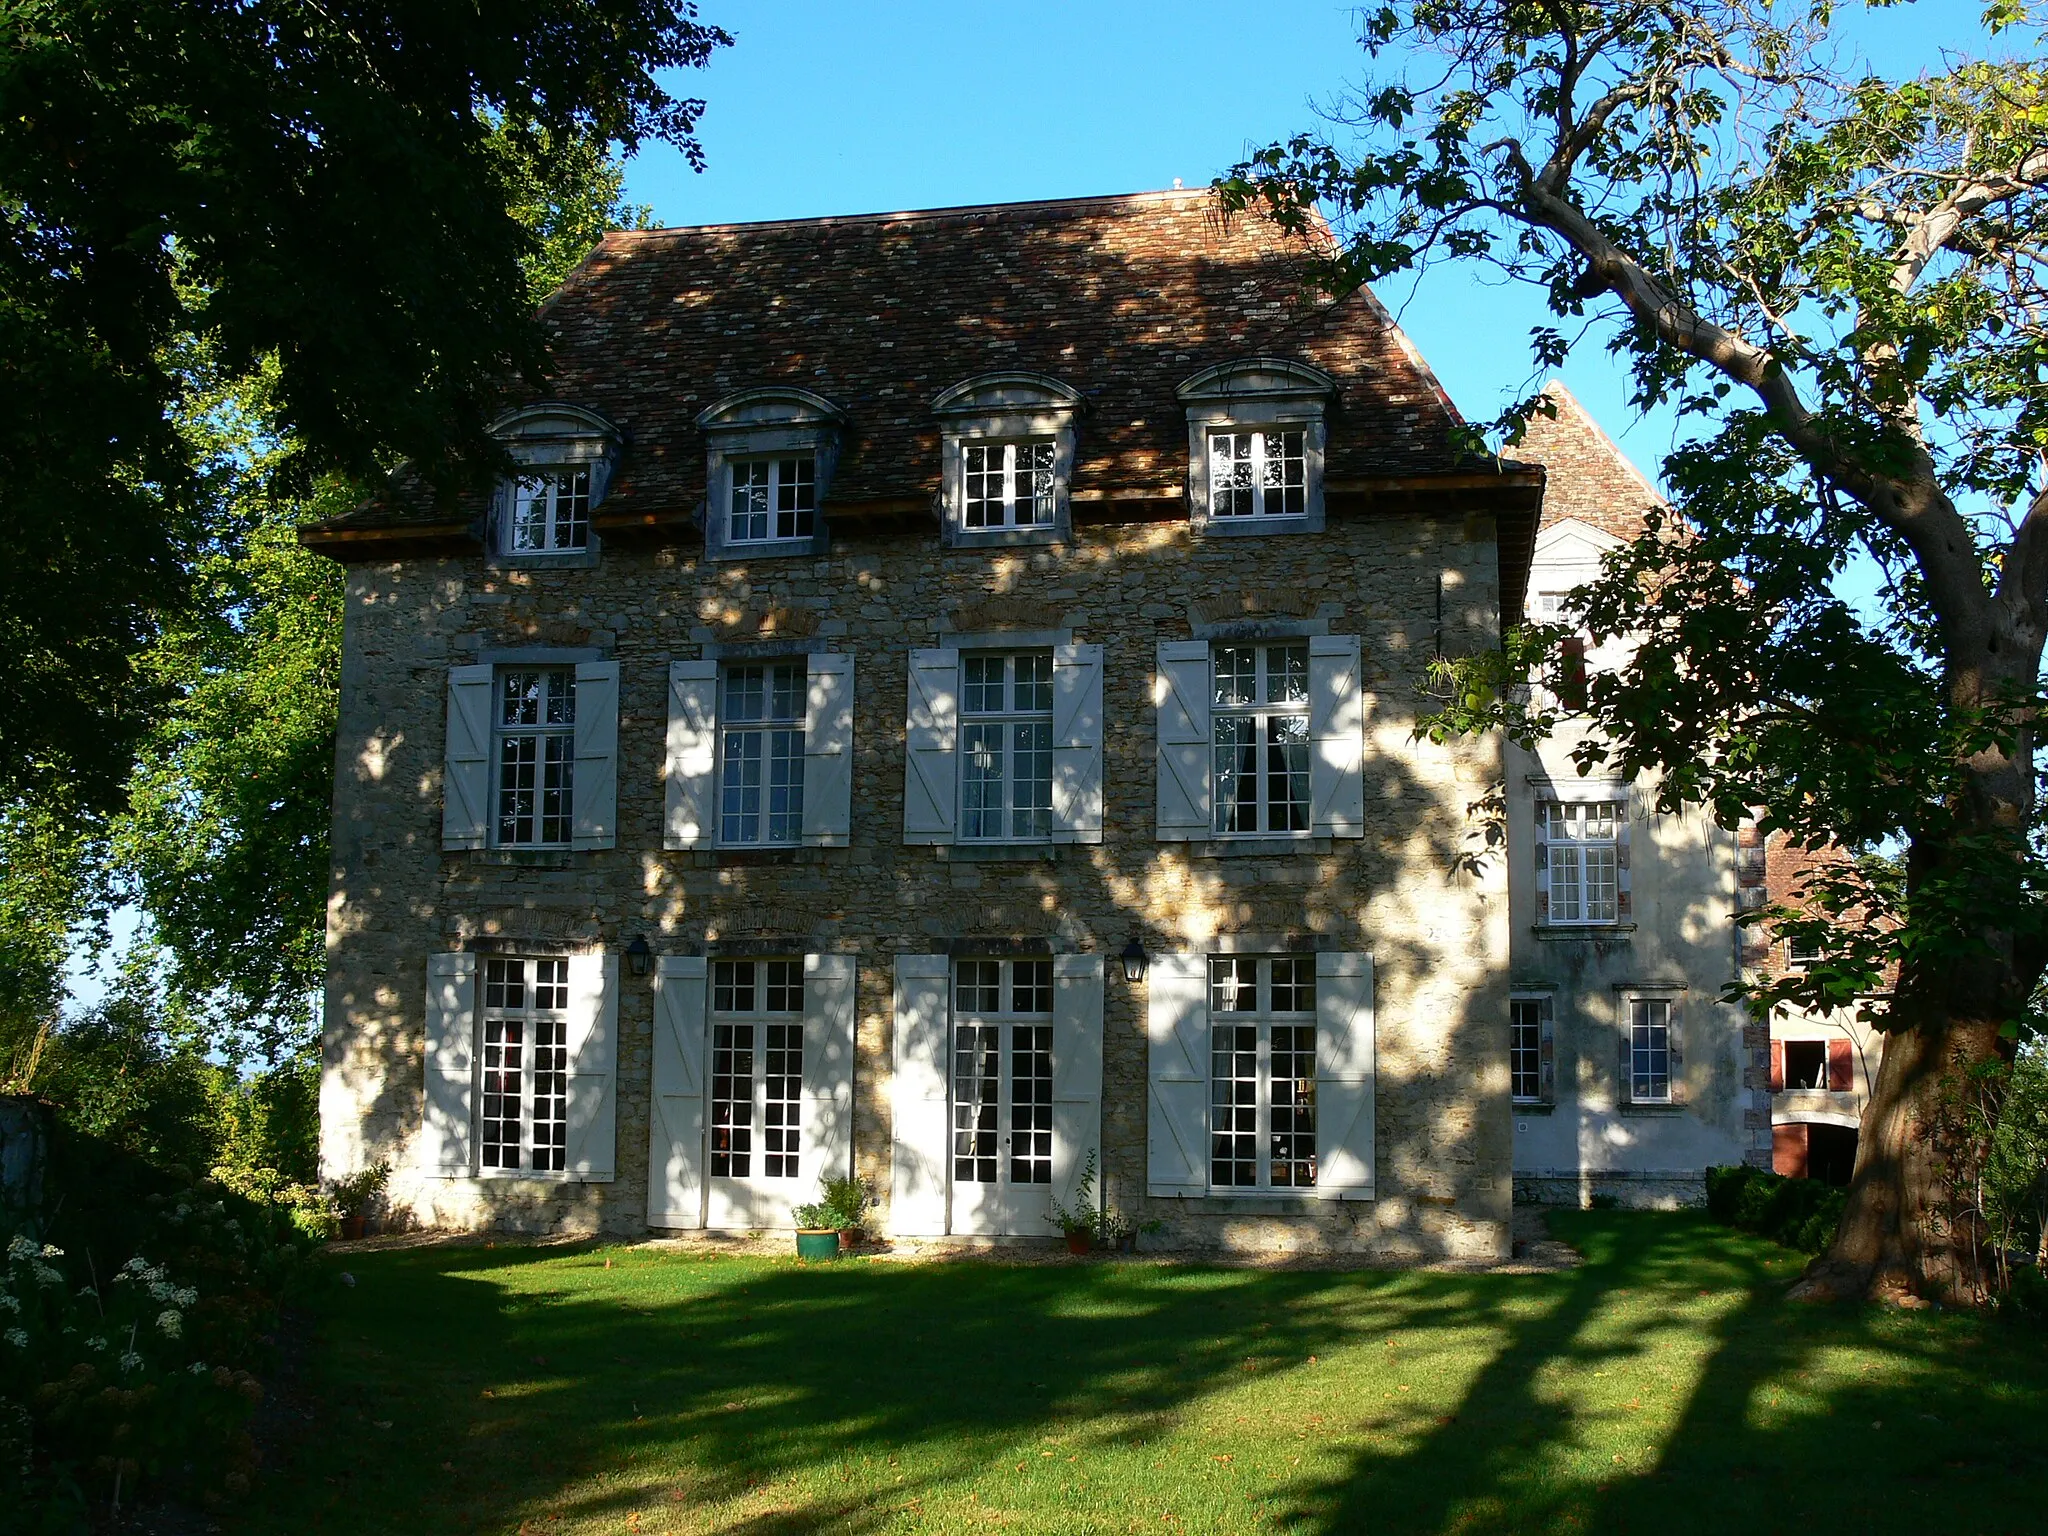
(170, 1323)
(135, 1266)
(52, 1251)
(21, 1248)
(96, 1342)
(18, 1338)
(200, 1368)
(131, 1361)
(185, 1297)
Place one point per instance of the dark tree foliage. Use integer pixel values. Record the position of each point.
(314, 182)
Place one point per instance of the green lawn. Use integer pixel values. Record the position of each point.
(1662, 1387)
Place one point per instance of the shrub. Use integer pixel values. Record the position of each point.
(1799, 1213)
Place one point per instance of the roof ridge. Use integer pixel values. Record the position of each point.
(905, 215)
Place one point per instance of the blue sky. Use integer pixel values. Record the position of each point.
(860, 108)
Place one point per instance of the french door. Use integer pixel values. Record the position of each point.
(1001, 1099)
(754, 1089)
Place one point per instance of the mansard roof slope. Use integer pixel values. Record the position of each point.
(1122, 298)
(1590, 478)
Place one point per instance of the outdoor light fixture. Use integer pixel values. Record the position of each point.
(1135, 961)
(639, 956)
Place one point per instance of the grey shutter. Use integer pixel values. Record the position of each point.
(593, 1067)
(1177, 1072)
(675, 1133)
(1540, 841)
(1677, 1039)
(920, 1136)
(1336, 737)
(466, 778)
(828, 751)
(931, 739)
(1625, 1090)
(826, 1148)
(444, 1145)
(1624, 894)
(1077, 744)
(1546, 1053)
(1344, 1077)
(595, 794)
(1076, 1074)
(1181, 691)
(690, 766)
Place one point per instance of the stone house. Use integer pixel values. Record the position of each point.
(935, 701)
(1629, 1076)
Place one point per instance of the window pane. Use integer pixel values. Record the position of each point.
(977, 1067)
(1233, 984)
(978, 986)
(732, 986)
(1236, 786)
(750, 490)
(1031, 986)
(785, 988)
(796, 492)
(981, 779)
(1287, 674)
(503, 1085)
(732, 1099)
(1287, 773)
(1564, 884)
(741, 806)
(1031, 764)
(782, 1094)
(550, 1095)
(1294, 984)
(785, 786)
(1031, 1101)
(1525, 1045)
(1292, 1155)
(1034, 682)
(1234, 1105)
(1650, 1049)
(1232, 491)
(1237, 675)
(982, 684)
(1601, 884)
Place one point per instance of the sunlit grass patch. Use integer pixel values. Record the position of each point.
(1664, 1385)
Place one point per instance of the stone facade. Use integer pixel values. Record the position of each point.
(1407, 563)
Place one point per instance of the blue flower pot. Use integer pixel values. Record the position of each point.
(817, 1245)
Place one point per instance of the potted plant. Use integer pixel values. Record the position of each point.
(846, 1205)
(817, 1233)
(1079, 1220)
(352, 1197)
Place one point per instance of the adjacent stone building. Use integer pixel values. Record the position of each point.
(936, 700)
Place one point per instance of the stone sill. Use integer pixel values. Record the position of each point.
(1532, 1107)
(1260, 1203)
(1610, 933)
(998, 853)
(1652, 1111)
(1260, 847)
(802, 853)
(523, 858)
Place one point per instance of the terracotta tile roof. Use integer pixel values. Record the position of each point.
(1591, 479)
(1121, 297)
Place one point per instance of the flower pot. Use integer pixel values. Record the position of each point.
(851, 1238)
(822, 1243)
(352, 1225)
(1080, 1242)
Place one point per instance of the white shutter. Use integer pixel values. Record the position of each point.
(1077, 744)
(691, 764)
(826, 1148)
(1076, 1074)
(931, 738)
(920, 1134)
(466, 779)
(675, 1139)
(828, 751)
(1180, 697)
(593, 1066)
(444, 1144)
(595, 794)
(1177, 1066)
(1336, 737)
(1344, 1077)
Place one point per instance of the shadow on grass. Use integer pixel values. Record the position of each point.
(479, 1389)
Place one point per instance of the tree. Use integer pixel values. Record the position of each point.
(1838, 278)
(224, 841)
(318, 187)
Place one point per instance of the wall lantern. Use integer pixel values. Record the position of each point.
(639, 956)
(1135, 961)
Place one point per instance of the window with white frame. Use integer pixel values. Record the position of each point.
(1583, 855)
(761, 752)
(757, 1068)
(536, 752)
(1650, 1050)
(1262, 1074)
(523, 1106)
(1006, 746)
(1802, 952)
(1259, 716)
(1007, 485)
(550, 512)
(772, 499)
(1525, 1049)
(1261, 473)
(1002, 1072)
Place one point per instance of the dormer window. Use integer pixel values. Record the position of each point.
(768, 469)
(1007, 458)
(565, 455)
(550, 512)
(1255, 446)
(773, 500)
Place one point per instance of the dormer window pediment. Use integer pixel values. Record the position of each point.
(769, 455)
(1007, 458)
(1256, 440)
(565, 455)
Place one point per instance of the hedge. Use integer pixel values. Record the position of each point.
(1799, 1213)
